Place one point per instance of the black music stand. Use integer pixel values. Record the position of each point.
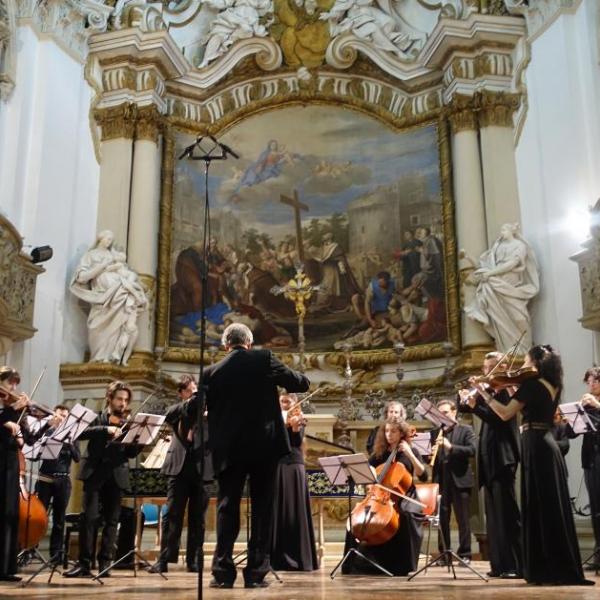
(350, 470)
(142, 431)
(77, 421)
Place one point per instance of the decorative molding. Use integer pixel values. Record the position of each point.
(462, 114)
(497, 108)
(8, 50)
(540, 14)
(17, 287)
(117, 121)
(148, 126)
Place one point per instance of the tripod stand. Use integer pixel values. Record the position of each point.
(142, 432)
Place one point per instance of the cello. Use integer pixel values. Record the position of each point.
(376, 519)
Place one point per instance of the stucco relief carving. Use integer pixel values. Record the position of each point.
(7, 48)
(17, 286)
(540, 14)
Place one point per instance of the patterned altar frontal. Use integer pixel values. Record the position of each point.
(357, 203)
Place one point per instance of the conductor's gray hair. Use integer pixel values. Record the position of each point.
(237, 334)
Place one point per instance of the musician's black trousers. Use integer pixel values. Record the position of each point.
(57, 493)
(592, 483)
(231, 484)
(184, 488)
(459, 500)
(109, 493)
(503, 521)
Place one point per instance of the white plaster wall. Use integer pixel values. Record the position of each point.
(49, 190)
(558, 160)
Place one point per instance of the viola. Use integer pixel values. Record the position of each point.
(376, 519)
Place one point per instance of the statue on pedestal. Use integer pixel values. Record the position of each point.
(506, 280)
(116, 297)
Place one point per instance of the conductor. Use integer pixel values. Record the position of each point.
(247, 438)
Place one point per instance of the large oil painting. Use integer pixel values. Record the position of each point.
(357, 204)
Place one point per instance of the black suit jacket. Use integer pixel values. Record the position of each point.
(455, 464)
(498, 452)
(182, 417)
(244, 416)
(102, 458)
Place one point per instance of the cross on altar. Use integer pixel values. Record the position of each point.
(297, 206)
(299, 290)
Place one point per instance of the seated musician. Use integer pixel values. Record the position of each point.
(400, 554)
(392, 410)
(293, 536)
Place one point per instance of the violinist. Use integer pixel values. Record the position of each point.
(12, 436)
(55, 488)
(452, 470)
(590, 455)
(105, 476)
(293, 537)
(497, 459)
(182, 467)
(400, 554)
(545, 500)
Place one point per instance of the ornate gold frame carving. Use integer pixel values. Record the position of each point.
(366, 359)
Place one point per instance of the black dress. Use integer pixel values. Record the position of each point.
(400, 555)
(550, 550)
(293, 537)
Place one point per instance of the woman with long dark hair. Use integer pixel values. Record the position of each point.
(550, 551)
(399, 555)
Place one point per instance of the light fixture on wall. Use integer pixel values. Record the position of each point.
(41, 254)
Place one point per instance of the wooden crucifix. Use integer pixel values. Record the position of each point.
(297, 206)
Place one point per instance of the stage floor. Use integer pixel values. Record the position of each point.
(437, 584)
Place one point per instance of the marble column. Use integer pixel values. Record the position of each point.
(498, 159)
(470, 207)
(116, 148)
(142, 242)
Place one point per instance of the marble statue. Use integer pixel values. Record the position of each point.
(365, 20)
(506, 280)
(116, 300)
(238, 20)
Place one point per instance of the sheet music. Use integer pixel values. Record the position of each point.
(422, 442)
(143, 429)
(77, 421)
(427, 410)
(578, 419)
(44, 449)
(339, 468)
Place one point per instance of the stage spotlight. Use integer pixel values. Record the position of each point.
(41, 254)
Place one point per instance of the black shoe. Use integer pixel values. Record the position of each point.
(591, 567)
(103, 567)
(493, 574)
(510, 575)
(78, 571)
(158, 567)
(192, 568)
(14, 578)
(256, 584)
(442, 561)
(220, 584)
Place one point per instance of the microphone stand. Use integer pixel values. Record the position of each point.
(196, 151)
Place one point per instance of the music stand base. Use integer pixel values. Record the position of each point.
(369, 560)
(448, 557)
(50, 565)
(244, 556)
(592, 557)
(132, 553)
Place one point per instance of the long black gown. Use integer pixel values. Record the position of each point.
(293, 538)
(400, 555)
(550, 550)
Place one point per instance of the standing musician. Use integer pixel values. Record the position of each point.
(182, 467)
(247, 438)
(452, 470)
(498, 458)
(550, 549)
(400, 554)
(105, 476)
(55, 487)
(293, 538)
(590, 455)
(12, 436)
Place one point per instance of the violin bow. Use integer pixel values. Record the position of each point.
(33, 391)
(301, 402)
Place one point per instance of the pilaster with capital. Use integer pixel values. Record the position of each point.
(469, 200)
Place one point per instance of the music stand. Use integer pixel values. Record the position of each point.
(581, 423)
(432, 413)
(350, 470)
(141, 431)
(77, 421)
(422, 443)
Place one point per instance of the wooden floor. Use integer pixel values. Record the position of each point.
(437, 584)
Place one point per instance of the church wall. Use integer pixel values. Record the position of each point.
(558, 155)
(49, 190)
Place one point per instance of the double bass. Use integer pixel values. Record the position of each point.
(376, 519)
